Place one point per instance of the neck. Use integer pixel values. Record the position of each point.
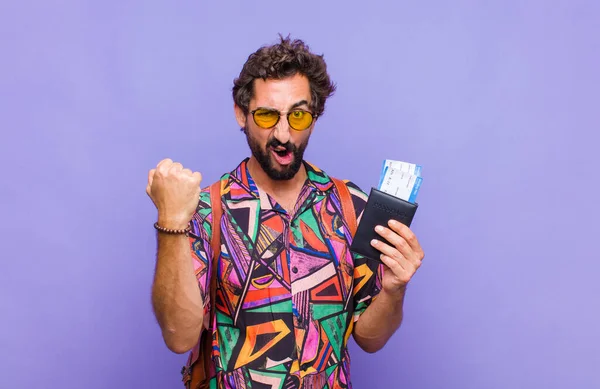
(276, 188)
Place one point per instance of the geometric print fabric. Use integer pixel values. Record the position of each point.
(288, 288)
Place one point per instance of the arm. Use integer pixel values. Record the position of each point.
(384, 315)
(176, 297)
(379, 321)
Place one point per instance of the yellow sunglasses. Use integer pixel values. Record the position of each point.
(298, 119)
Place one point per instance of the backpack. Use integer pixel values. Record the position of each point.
(196, 373)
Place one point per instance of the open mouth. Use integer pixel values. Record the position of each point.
(282, 155)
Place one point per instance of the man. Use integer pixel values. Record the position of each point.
(289, 292)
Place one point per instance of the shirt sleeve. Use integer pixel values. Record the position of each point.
(201, 250)
(367, 272)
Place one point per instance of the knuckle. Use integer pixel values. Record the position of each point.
(401, 242)
(163, 169)
(166, 161)
(176, 171)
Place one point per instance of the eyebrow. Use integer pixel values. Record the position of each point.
(299, 103)
(293, 106)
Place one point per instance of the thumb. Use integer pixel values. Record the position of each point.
(151, 176)
(197, 177)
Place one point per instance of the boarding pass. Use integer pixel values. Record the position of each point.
(401, 179)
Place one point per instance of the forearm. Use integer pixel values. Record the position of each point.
(379, 321)
(176, 297)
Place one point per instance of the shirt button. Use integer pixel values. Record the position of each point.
(295, 269)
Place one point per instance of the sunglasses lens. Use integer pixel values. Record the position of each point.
(266, 118)
(300, 120)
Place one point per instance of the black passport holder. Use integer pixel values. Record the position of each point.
(380, 208)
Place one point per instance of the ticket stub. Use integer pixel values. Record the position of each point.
(404, 166)
(401, 166)
(401, 179)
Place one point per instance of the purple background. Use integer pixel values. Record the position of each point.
(498, 101)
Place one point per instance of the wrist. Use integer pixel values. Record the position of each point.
(173, 222)
(396, 295)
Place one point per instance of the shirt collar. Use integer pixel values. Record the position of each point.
(316, 178)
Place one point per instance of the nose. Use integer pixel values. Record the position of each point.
(282, 130)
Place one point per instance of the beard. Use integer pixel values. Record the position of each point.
(267, 162)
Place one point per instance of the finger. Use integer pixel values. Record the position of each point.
(197, 176)
(408, 263)
(406, 233)
(396, 240)
(176, 167)
(164, 165)
(393, 265)
(163, 162)
(148, 190)
(404, 248)
(390, 252)
(187, 172)
(151, 176)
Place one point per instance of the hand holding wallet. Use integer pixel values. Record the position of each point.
(394, 199)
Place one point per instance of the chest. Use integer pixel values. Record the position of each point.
(270, 256)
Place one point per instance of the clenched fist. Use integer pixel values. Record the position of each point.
(175, 192)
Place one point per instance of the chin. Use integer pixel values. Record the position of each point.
(272, 168)
(281, 173)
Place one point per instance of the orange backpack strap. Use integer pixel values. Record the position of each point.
(196, 375)
(217, 211)
(347, 204)
(215, 243)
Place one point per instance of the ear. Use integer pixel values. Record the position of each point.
(312, 127)
(239, 116)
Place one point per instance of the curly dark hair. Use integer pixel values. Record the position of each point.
(284, 59)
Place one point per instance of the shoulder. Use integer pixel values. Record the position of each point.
(202, 219)
(319, 177)
(359, 196)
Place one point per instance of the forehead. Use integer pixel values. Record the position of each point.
(280, 94)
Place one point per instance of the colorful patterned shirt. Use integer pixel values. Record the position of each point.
(289, 290)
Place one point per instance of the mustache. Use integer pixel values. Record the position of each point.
(276, 143)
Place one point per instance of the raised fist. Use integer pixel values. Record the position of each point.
(175, 192)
